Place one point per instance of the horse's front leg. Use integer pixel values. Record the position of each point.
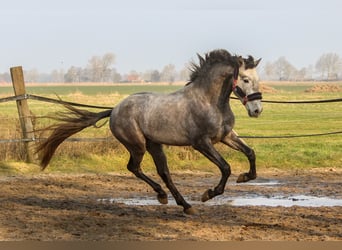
(233, 141)
(207, 149)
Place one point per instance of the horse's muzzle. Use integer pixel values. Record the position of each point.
(254, 108)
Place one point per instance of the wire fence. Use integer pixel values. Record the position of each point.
(61, 102)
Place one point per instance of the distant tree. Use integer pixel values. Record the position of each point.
(57, 75)
(108, 60)
(155, 76)
(184, 74)
(300, 74)
(329, 65)
(99, 67)
(5, 77)
(95, 69)
(73, 74)
(115, 76)
(31, 75)
(309, 73)
(168, 73)
(269, 70)
(283, 69)
(146, 76)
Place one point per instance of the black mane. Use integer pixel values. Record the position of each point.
(209, 59)
(217, 56)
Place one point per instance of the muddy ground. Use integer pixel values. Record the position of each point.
(78, 207)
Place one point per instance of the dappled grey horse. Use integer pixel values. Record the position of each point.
(198, 115)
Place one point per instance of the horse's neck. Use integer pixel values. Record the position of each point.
(226, 91)
(217, 93)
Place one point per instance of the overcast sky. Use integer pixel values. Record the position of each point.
(148, 34)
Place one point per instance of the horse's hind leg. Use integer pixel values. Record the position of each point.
(159, 159)
(134, 166)
(233, 141)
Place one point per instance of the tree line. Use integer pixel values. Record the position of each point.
(328, 67)
(101, 69)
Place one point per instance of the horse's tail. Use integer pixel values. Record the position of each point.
(73, 121)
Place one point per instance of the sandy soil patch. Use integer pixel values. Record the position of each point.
(69, 207)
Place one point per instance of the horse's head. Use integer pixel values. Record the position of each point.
(246, 86)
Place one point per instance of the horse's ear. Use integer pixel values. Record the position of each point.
(257, 62)
(201, 59)
(241, 61)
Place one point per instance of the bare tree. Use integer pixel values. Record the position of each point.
(100, 67)
(300, 74)
(73, 74)
(31, 75)
(309, 74)
(108, 60)
(269, 70)
(95, 68)
(184, 74)
(329, 65)
(57, 75)
(115, 76)
(283, 69)
(168, 73)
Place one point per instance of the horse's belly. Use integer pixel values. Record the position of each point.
(166, 133)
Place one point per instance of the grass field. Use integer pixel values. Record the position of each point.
(277, 119)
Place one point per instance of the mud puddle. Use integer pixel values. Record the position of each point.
(274, 200)
(279, 200)
(283, 201)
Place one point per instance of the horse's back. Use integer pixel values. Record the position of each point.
(158, 117)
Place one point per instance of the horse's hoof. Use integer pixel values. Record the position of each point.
(242, 178)
(190, 211)
(162, 199)
(205, 196)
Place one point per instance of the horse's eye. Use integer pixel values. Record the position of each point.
(245, 80)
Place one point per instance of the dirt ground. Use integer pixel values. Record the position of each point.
(49, 207)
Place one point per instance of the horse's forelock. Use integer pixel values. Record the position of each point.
(249, 62)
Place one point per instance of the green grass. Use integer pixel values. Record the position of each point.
(93, 89)
(276, 119)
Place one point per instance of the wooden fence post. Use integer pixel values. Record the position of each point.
(23, 111)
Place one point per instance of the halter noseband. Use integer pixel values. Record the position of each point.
(239, 92)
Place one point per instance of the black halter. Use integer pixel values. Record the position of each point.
(239, 92)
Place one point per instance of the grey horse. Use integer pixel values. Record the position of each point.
(197, 115)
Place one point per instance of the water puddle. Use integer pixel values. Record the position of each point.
(278, 199)
(259, 182)
(284, 201)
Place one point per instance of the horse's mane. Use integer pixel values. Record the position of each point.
(210, 59)
(217, 56)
